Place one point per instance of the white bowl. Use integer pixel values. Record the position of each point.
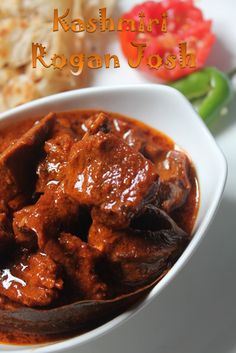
(167, 110)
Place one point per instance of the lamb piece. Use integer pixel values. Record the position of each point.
(6, 235)
(52, 213)
(18, 162)
(175, 183)
(33, 280)
(81, 264)
(72, 123)
(52, 168)
(63, 126)
(155, 152)
(138, 137)
(135, 137)
(101, 122)
(144, 251)
(105, 173)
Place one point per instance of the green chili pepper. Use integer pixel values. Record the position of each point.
(209, 90)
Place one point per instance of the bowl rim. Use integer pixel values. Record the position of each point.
(191, 248)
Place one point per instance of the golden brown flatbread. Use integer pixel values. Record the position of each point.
(23, 22)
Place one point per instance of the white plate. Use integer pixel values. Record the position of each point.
(163, 108)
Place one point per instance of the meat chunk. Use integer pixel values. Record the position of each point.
(101, 122)
(175, 184)
(134, 136)
(63, 126)
(18, 162)
(81, 264)
(6, 235)
(33, 280)
(52, 168)
(144, 251)
(105, 173)
(53, 213)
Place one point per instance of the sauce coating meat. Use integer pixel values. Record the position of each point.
(106, 174)
(94, 207)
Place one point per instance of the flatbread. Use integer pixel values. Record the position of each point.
(23, 22)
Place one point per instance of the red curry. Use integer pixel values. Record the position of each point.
(94, 206)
